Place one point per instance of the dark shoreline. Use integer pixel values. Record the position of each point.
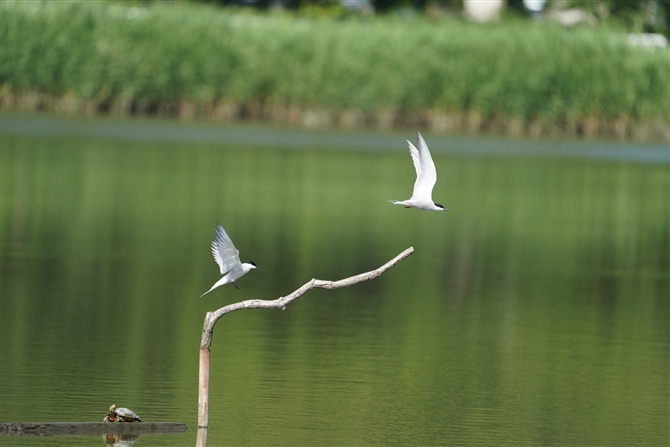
(432, 120)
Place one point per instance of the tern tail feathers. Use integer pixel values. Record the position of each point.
(206, 292)
(223, 281)
(399, 202)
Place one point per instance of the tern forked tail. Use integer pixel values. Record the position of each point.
(406, 203)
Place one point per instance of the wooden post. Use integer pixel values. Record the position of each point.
(203, 395)
(280, 303)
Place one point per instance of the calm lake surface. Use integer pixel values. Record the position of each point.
(535, 312)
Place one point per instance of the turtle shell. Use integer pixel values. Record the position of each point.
(126, 415)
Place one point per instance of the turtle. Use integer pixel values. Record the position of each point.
(110, 417)
(121, 415)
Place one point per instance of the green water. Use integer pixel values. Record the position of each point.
(535, 312)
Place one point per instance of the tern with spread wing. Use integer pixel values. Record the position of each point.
(426, 176)
(228, 258)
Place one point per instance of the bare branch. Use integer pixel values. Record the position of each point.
(281, 302)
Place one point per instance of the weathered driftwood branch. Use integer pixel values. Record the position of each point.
(280, 303)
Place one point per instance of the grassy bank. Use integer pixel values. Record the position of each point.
(197, 61)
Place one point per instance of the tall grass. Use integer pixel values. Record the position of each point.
(449, 75)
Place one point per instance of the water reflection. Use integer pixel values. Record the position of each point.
(536, 311)
(201, 440)
(170, 131)
(120, 440)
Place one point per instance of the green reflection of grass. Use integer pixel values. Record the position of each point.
(534, 312)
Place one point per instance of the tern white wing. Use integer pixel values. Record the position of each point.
(224, 251)
(426, 175)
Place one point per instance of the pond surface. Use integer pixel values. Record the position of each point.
(535, 312)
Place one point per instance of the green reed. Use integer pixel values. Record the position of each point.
(195, 60)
